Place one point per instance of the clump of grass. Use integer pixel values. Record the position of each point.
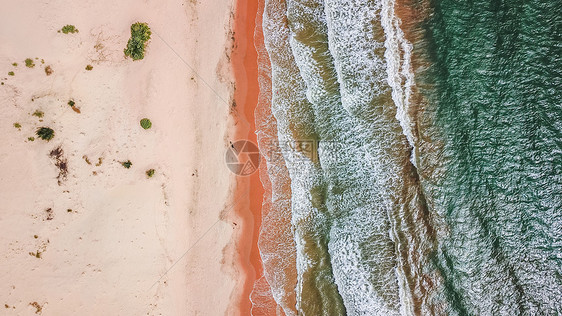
(36, 254)
(127, 164)
(17, 125)
(89, 67)
(31, 138)
(87, 159)
(11, 73)
(38, 308)
(150, 173)
(45, 133)
(38, 113)
(140, 34)
(48, 70)
(15, 64)
(69, 29)
(72, 105)
(145, 123)
(61, 162)
(69, 210)
(29, 63)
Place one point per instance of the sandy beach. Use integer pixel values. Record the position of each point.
(100, 238)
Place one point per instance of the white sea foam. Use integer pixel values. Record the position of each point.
(364, 75)
(399, 70)
(288, 93)
(333, 92)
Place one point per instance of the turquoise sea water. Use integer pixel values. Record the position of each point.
(424, 156)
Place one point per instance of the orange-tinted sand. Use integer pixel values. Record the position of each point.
(244, 60)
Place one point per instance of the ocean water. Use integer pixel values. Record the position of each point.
(414, 157)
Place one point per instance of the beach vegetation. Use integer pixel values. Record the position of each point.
(11, 73)
(145, 123)
(89, 67)
(127, 164)
(150, 173)
(140, 34)
(38, 113)
(69, 29)
(31, 138)
(38, 308)
(17, 125)
(48, 70)
(87, 159)
(29, 63)
(71, 102)
(15, 64)
(45, 133)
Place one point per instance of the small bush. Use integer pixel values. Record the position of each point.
(89, 67)
(48, 70)
(31, 138)
(69, 29)
(17, 125)
(145, 123)
(127, 164)
(140, 34)
(38, 113)
(45, 133)
(29, 63)
(71, 103)
(11, 73)
(150, 173)
(15, 64)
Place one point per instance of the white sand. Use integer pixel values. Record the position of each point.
(125, 231)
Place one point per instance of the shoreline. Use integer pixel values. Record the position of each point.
(245, 69)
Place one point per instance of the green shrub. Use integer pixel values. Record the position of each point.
(15, 64)
(69, 29)
(89, 67)
(127, 164)
(29, 63)
(71, 102)
(140, 34)
(38, 113)
(150, 173)
(31, 139)
(17, 125)
(11, 73)
(145, 123)
(45, 133)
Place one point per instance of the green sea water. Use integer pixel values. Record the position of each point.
(496, 67)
